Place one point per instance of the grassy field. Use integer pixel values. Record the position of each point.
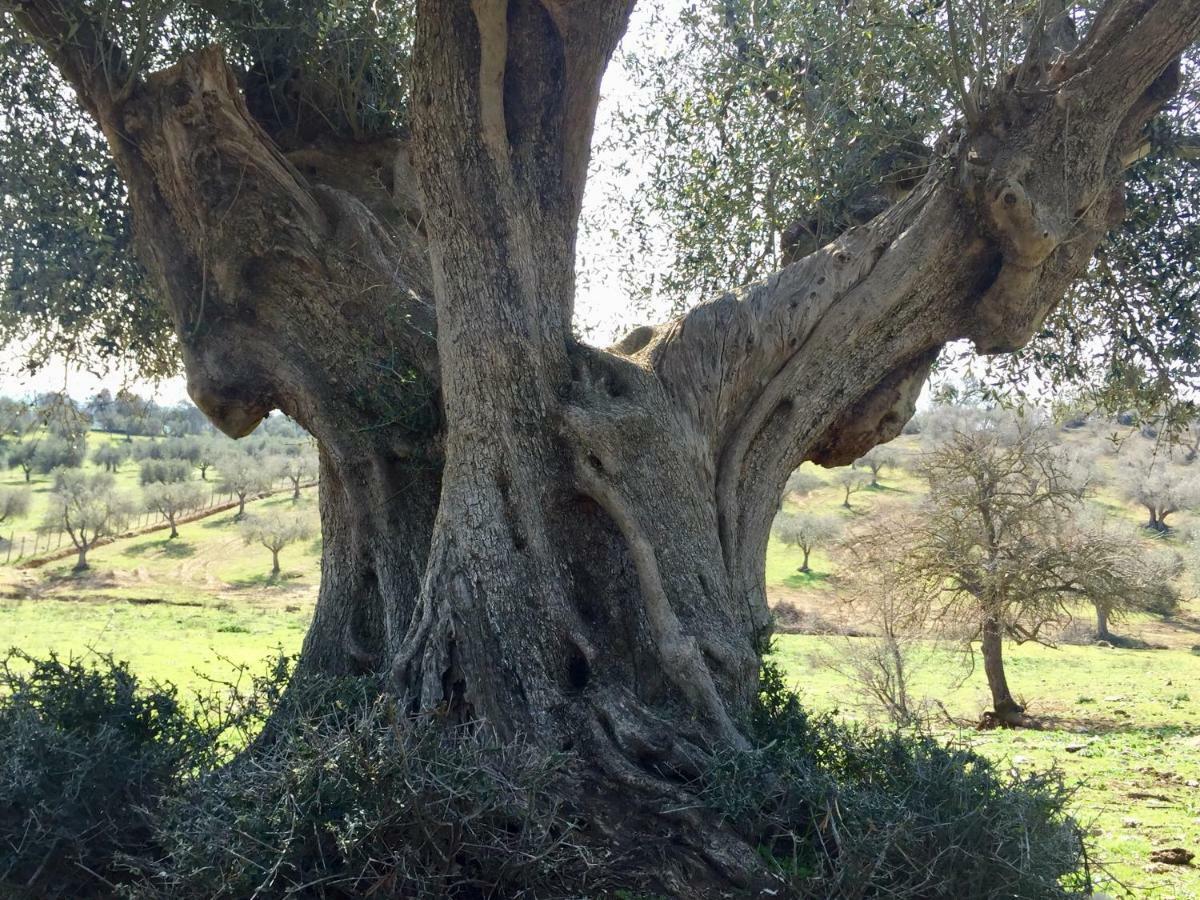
(1124, 725)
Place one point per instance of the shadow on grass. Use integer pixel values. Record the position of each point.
(265, 580)
(172, 548)
(886, 489)
(807, 579)
(221, 520)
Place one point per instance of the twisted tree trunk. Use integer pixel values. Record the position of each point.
(564, 541)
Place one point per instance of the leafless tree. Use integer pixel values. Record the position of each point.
(997, 547)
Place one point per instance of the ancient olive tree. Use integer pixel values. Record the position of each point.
(88, 508)
(1001, 550)
(377, 235)
(172, 499)
(806, 531)
(275, 530)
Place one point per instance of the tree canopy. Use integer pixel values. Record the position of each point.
(771, 128)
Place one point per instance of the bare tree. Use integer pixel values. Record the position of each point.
(275, 530)
(876, 460)
(172, 499)
(88, 508)
(996, 546)
(881, 665)
(807, 531)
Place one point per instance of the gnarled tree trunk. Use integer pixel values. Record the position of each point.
(564, 541)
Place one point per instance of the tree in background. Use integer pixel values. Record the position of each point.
(14, 502)
(173, 499)
(851, 481)
(55, 453)
(207, 453)
(164, 471)
(275, 530)
(88, 508)
(297, 469)
(801, 483)
(16, 420)
(366, 216)
(243, 476)
(876, 460)
(21, 456)
(63, 418)
(1116, 574)
(807, 531)
(110, 456)
(1157, 485)
(996, 550)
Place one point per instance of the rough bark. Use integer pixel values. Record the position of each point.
(564, 541)
(1005, 710)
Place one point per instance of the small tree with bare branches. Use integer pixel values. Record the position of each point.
(998, 547)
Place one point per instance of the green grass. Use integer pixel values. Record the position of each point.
(180, 643)
(1136, 714)
(203, 604)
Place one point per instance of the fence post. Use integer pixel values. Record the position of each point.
(22, 553)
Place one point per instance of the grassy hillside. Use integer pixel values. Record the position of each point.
(1123, 724)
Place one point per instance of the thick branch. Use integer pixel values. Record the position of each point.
(825, 358)
(90, 61)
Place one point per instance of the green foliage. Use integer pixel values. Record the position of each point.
(13, 502)
(770, 127)
(110, 456)
(352, 796)
(845, 812)
(110, 785)
(85, 751)
(56, 453)
(164, 471)
(70, 278)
